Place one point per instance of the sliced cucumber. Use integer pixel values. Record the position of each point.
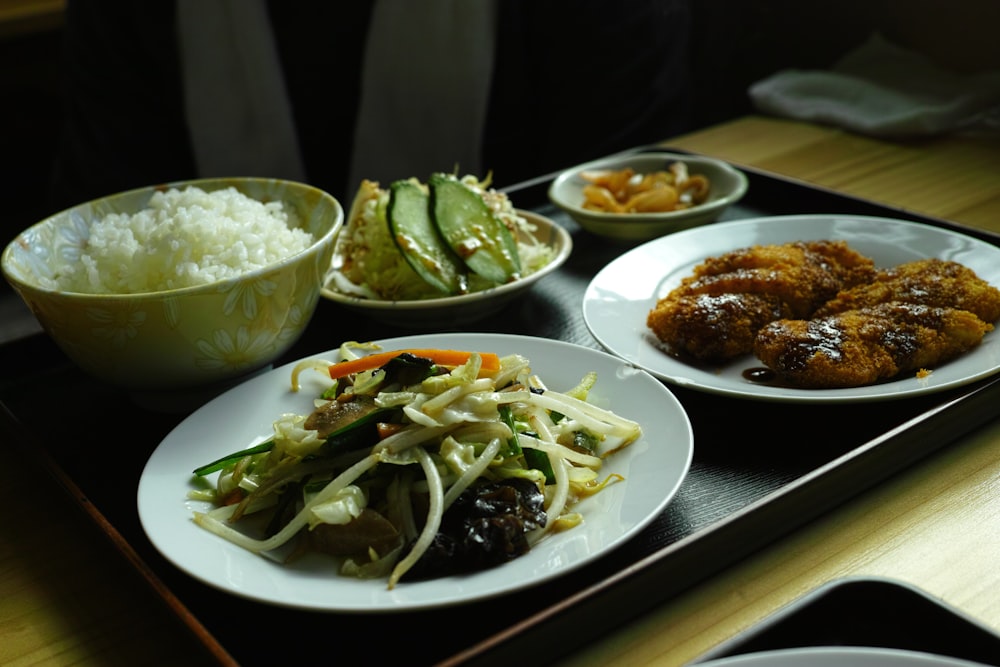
(419, 241)
(473, 231)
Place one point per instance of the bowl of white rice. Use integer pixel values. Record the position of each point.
(179, 286)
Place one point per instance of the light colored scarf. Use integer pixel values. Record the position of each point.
(235, 100)
(425, 87)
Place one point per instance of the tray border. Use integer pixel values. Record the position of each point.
(948, 420)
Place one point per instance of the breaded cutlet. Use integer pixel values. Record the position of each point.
(863, 346)
(715, 312)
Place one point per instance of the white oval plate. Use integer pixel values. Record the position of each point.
(838, 656)
(464, 308)
(653, 467)
(620, 296)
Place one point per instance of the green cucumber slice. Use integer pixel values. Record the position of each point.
(419, 241)
(473, 231)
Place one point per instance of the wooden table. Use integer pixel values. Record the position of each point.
(68, 597)
(26, 17)
(955, 178)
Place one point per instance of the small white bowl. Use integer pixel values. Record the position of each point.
(726, 186)
(445, 312)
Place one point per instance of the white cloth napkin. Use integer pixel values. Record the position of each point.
(883, 90)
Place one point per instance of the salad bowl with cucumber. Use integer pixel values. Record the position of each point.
(417, 252)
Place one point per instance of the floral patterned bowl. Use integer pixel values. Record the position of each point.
(180, 339)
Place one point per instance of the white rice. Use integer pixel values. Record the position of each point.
(184, 238)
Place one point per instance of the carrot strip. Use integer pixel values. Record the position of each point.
(234, 496)
(385, 429)
(490, 361)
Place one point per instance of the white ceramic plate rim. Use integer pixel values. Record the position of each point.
(838, 656)
(617, 161)
(653, 466)
(564, 248)
(619, 297)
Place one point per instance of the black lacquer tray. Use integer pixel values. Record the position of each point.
(757, 474)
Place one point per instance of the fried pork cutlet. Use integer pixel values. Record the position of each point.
(860, 347)
(720, 326)
(715, 313)
(931, 282)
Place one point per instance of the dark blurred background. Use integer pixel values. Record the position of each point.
(733, 44)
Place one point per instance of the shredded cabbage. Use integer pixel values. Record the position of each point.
(368, 264)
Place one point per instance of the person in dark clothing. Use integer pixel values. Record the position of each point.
(568, 81)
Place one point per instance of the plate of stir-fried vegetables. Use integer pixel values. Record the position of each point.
(415, 472)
